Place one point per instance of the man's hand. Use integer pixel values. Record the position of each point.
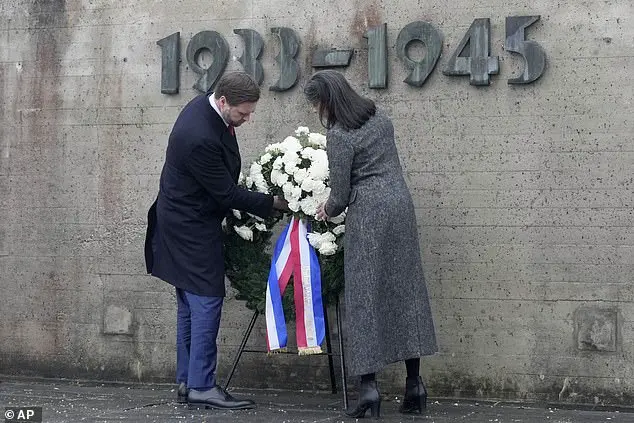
(280, 204)
(321, 212)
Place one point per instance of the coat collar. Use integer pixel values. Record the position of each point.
(212, 101)
(219, 126)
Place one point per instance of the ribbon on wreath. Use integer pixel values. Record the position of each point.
(294, 256)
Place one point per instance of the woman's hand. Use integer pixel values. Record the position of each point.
(321, 212)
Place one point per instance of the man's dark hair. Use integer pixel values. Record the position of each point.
(237, 88)
(337, 101)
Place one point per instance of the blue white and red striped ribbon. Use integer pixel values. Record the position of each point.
(294, 256)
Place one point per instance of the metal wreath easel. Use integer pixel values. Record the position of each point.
(329, 353)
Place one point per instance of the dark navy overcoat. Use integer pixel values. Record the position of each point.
(184, 239)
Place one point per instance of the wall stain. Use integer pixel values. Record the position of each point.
(50, 35)
(309, 43)
(39, 104)
(367, 16)
(110, 150)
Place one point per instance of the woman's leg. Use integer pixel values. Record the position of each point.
(413, 367)
(365, 379)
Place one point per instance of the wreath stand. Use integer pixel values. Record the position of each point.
(329, 353)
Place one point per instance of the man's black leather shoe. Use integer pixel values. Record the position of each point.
(181, 394)
(218, 398)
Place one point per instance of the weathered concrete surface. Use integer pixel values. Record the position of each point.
(524, 194)
(65, 402)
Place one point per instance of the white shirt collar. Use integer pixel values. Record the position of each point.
(212, 101)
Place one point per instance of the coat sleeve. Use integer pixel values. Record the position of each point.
(149, 234)
(340, 156)
(207, 166)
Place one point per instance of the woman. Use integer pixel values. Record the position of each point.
(388, 317)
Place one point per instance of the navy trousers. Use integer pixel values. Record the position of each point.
(197, 324)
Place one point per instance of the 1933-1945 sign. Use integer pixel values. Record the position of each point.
(471, 58)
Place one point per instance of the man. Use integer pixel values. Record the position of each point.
(184, 241)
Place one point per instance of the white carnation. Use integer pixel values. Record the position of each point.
(314, 239)
(261, 185)
(290, 160)
(291, 145)
(258, 179)
(255, 169)
(324, 243)
(278, 163)
(266, 157)
(338, 230)
(309, 206)
(309, 184)
(318, 238)
(302, 130)
(317, 139)
(299, 175)
(293, 205)
(308, 153)
(321, 156)
(319, 188)
(321, 197)
(318, 169)
(291, 168)
(328, 237)
(338, 219)
(328, 249)
(291, 192)
(245, 232)
(274, 148)
(278, 178)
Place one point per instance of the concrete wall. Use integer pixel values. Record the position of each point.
(523, 193)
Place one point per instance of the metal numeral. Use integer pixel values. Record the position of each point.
(289, 68)
(250, 59)
(377, 56)
(478, 64)
(428, 35)
(332, 58)
(220, 51)
(170, 59)
(533, 54)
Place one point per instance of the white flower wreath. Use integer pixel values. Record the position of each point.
(297, 169)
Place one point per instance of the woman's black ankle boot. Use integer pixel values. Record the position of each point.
(415, 400)
(369, 398)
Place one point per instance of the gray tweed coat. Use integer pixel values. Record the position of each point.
(387, 312)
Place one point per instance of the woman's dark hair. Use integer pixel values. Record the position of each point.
(337, 101)
(237, 88)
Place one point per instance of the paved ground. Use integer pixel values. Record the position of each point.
(63, 402)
